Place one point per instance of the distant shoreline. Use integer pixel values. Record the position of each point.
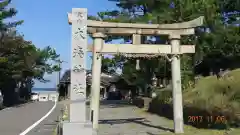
(44, 89)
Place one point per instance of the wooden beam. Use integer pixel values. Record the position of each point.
(129, 31)
(141, 49)
(136, 39)
(184, 25)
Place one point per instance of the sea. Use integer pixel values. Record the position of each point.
(48, 90)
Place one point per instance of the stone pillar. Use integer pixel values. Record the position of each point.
(105, 93)
(176, 84)
(68, 91)
(77, 109)
(96, 75)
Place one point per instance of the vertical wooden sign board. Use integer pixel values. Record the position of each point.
(78, 65)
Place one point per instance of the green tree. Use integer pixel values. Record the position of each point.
(21, 62)
(216, 41)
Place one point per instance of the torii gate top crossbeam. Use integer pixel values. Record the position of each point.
(184, 25)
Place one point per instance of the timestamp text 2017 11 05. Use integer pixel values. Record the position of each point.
(208, 119)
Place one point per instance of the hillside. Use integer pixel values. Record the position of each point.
(218, 99)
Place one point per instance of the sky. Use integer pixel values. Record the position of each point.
(46, 23)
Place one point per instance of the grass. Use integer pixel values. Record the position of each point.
(209, 97)
(221, 96)
(55, 131)
(64, 118)
(65, 113)
(190, 130)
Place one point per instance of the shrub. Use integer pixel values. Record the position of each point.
(210, 97)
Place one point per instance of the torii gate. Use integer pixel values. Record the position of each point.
(81, 26)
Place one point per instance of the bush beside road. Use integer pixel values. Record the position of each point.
(216, 102)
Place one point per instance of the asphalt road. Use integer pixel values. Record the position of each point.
(47, 126)
(15, 120)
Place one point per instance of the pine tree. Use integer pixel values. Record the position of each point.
(5, 13)
(216, 41)
(21, 61)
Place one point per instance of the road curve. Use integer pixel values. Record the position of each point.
(15, 120)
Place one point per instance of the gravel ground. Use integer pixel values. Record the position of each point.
(120, 118)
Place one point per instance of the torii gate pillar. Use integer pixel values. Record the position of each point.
(176, 84)
(96, 75)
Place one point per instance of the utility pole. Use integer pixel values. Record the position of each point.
(58, 73)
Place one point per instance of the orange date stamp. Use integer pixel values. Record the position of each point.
(207, 119)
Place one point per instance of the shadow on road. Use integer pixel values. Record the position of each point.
(114, 103)
(17, 105)
(141, 121)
